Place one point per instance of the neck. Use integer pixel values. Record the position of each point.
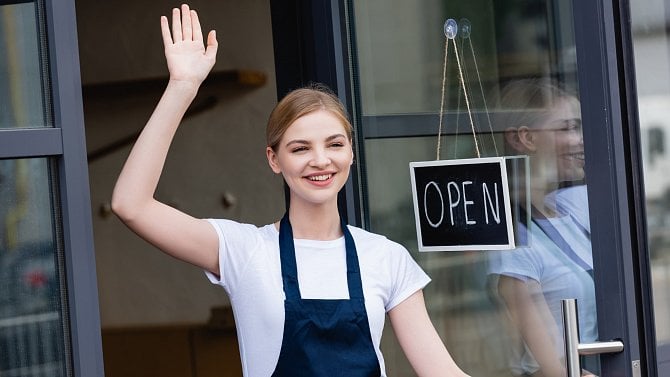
(540, 188)
(538, 200)
(544, 210)
(315, 222)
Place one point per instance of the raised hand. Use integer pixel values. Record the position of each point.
(187, 57)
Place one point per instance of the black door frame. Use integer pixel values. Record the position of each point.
(311, 45)
(79, 256)
(606, 81)
(655, 356)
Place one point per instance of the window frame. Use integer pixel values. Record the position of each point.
(65, 146)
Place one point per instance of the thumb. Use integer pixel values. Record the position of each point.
(212, 44)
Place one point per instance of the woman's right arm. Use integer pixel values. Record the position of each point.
(176, 233)
(529, 312)
(419, 339)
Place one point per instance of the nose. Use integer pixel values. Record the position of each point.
(320, 158)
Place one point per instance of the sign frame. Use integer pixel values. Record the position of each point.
(506, 204)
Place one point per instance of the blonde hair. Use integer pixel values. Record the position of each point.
(301, 102)
(527, 102)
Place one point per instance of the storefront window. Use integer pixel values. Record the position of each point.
(31, 319)
(497, 311)
(22, 98)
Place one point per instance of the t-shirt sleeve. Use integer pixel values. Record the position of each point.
(409, 277)
(519, 263)
(237, 243)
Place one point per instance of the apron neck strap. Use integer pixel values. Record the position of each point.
(555, 236)
(289, 266)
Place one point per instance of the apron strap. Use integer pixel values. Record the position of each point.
(353, 269)
(289, 267)
(554, 235)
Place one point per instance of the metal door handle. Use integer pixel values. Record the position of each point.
(573, 349)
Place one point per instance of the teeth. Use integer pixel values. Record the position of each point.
(319, 177)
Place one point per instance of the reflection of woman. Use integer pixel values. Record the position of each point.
(309, 293)
(543, 122)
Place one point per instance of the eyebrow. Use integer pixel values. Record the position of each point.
(576, 120)
(301, 141)
(565, 120)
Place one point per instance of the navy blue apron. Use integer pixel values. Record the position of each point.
(550, 231)
(324, 337)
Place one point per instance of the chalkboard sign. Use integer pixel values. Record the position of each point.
(462, 204)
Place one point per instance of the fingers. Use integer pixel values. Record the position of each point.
(186, 27)
(176, 25)
(165, 31)
(197, 30)
(212, 44)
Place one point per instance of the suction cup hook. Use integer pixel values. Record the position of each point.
(450, 28)
(466, 28)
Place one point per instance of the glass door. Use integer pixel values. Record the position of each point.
(48, 301)
(529, 78)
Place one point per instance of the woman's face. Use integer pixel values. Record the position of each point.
(314, 156)
(559, 143)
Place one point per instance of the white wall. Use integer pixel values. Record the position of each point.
(217, 151)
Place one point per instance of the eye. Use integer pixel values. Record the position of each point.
(571, 125)
(298, 149)
(337, 144)
(574, 125)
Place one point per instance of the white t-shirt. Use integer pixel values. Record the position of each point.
(572, 200)
(250, 273)
(558, 275)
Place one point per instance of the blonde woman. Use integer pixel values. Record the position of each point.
(309, 293)
(543, 122)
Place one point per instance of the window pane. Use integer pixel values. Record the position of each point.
(31, 318)
(22, 101)
(400, 47)
(517, 97)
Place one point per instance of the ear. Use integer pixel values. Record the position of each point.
(272, 160)
(522, 139)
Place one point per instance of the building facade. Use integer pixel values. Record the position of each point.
(82, 296)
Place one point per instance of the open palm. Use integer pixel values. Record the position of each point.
(187, 57)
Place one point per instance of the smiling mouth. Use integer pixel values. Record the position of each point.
(576, 156)
(320, 178)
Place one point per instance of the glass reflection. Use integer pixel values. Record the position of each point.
(543, 122)
(399, 48)
(21, 83)
(31, 329)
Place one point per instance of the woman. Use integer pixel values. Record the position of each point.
(543, 122)
(309, 293)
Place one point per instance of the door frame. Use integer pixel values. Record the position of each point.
(79, 255)
(606, 87)
(655, 356)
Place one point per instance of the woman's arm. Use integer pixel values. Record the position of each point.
(419, 339)
(530, 314)
(176, 233)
